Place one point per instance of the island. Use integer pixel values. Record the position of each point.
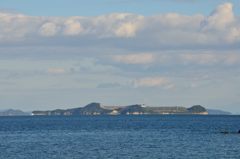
(13, 112)
(137, 109)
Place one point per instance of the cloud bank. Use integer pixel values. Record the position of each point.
(171, 29)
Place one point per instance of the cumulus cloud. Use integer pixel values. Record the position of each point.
(223, 24)
(48, 29)
(14, 26)
(121, 25)
(72, 27)
(221, 17)
(164, 30)
(126, 30)
(233, 34)
(141, 58)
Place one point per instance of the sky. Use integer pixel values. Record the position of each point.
(68, 53)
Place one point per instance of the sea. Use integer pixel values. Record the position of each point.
(120, 137)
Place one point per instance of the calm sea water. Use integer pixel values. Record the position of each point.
(123, 137)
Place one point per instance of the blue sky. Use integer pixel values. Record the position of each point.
(96, 7)
(61, 54)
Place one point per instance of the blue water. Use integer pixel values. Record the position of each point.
(122, 137)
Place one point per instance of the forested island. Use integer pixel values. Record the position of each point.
(137, 109)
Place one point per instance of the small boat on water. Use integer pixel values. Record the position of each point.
(229, 132)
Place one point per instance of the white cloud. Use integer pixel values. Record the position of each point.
(169, 29)
(200, 58)
(210, 58)
(72, 27)
(233, 34)
(56, 71)
(221, 17)
(14, 27)
(122, 25)
(204, 58)
(232, 59)
(126, 30)
(153, 82)
(48, 29)
(141, 58)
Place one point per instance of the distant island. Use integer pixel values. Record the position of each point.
(13, 112)
(137, 109)
(218, 112)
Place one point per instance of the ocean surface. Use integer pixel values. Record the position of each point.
(120, 137)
